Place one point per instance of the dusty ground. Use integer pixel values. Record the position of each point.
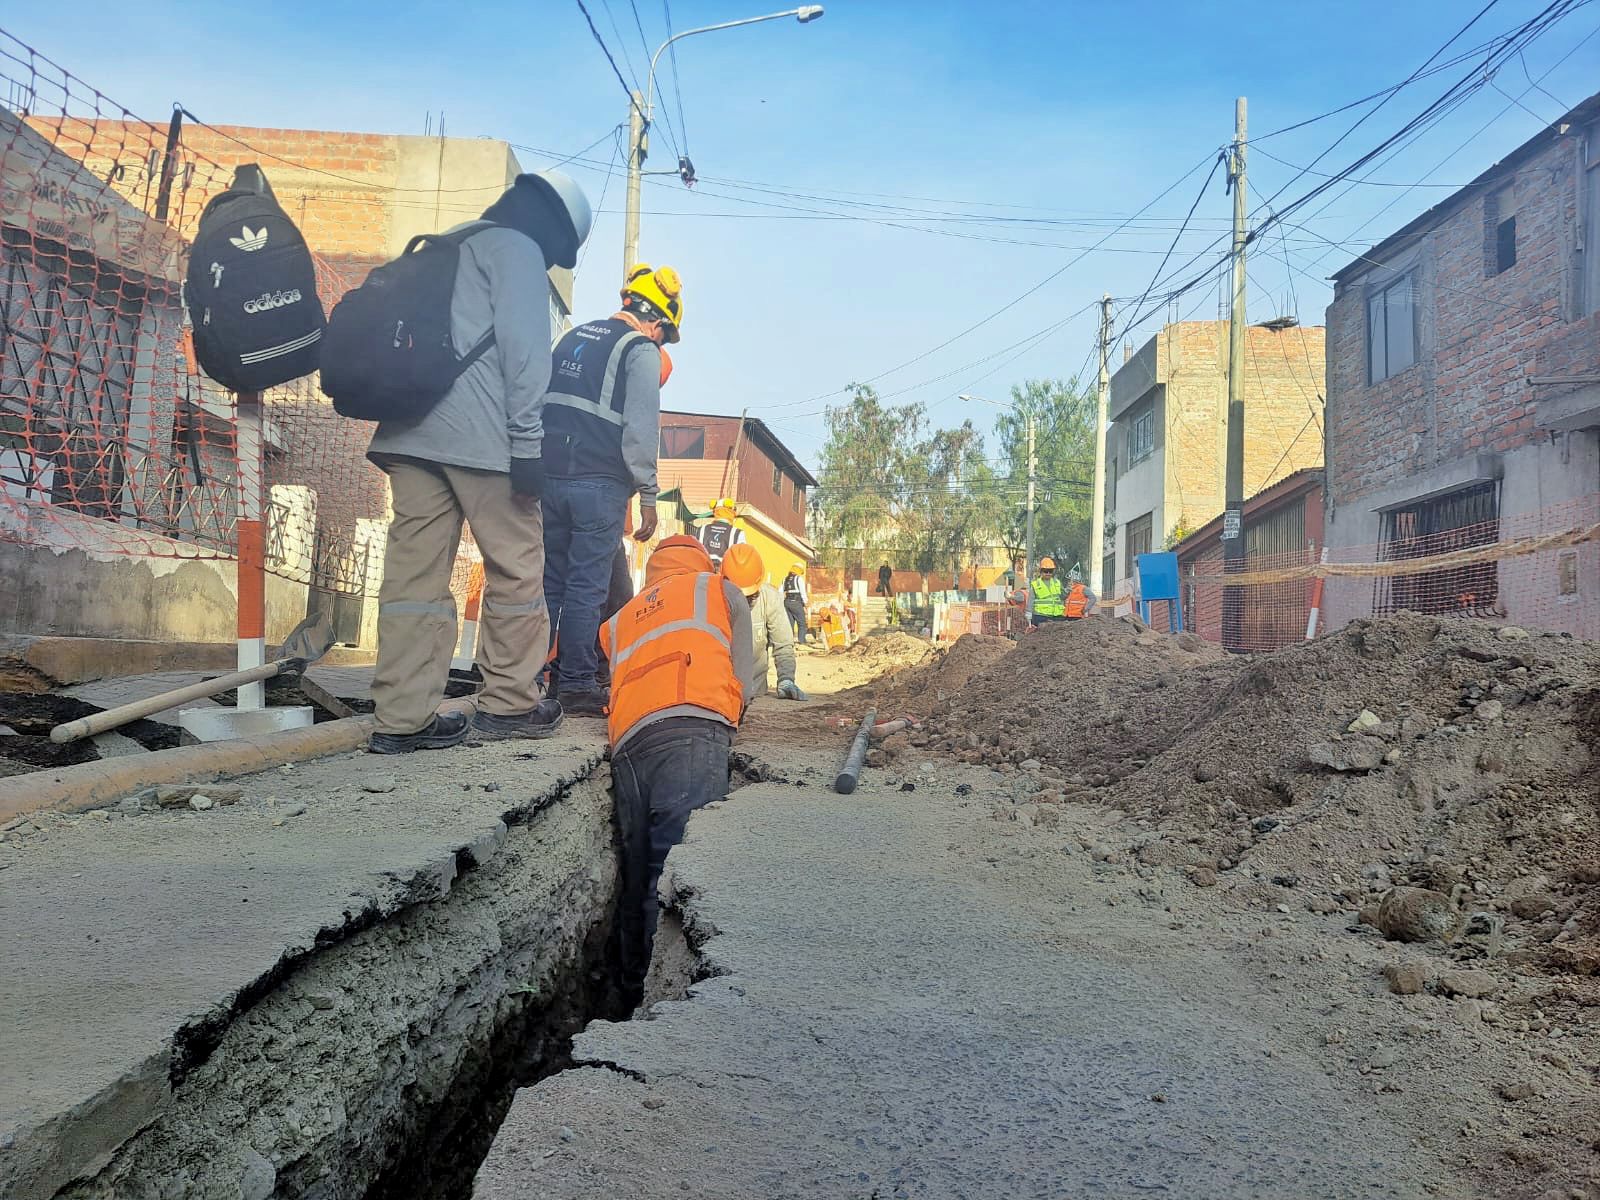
(1202, 843)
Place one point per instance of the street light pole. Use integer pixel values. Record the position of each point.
(641, 112)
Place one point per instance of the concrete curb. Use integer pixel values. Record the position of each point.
(101, 784)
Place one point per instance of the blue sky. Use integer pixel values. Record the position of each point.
(1027, 122)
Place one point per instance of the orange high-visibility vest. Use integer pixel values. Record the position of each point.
(1077, 601)
(672, 646)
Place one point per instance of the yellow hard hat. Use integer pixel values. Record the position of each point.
(742, 567)
(725, 505)
(662, 290)
(799, 568)
(1047, 563)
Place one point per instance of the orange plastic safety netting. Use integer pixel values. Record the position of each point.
(111, 441)
(1537, 567)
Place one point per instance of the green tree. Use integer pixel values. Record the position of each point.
(1064, 412)
(890, 485)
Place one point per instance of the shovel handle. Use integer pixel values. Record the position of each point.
(99, 722)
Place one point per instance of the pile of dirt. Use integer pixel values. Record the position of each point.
(940, 675)
(891, 647)
(1455, 755)
(1093, 699)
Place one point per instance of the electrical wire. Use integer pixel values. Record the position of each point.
(677, 85)
(606, 50)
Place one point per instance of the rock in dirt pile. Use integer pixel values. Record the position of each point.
(1455, 757)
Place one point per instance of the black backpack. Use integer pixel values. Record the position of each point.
(388, 355)
(252, 290)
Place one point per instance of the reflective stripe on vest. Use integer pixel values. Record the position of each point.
(671, 645)
(1047, 597)
(1077, 601)
(572, 382)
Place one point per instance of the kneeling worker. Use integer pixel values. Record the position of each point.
(769, 622)
(670, 724)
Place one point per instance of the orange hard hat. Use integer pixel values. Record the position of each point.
(1047, 563)
(674, 556)
(742, 567)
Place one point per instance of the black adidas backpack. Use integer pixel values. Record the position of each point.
(252, 290)
(388, 354)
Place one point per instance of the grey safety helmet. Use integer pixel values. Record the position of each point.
(572, 199)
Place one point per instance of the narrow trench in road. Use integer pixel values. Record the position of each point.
(537, 1042)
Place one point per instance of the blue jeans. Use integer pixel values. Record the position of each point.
(582, 529)
(660, 775)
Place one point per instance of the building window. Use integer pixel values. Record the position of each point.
(683, 441)
(1142, 435)
(1457, 520)
(796, 500)
(1392, 328)
(1108, 576)
(1500, 231)
(1138, 538)
(777, 481)
(1505, 244)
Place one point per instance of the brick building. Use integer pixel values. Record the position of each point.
(1464, 390)
(706, 457)
(1167, 443)
(1282, 526)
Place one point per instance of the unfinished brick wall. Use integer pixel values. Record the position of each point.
(1481, 334)
(1282, 388)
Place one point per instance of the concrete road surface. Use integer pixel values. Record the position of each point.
(913, 1001)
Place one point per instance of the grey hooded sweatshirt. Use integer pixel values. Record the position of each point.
(491, 414)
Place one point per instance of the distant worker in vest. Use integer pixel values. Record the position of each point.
(477, 456)
(670, 725)
(602, 428)
(773, 637)
(719, 533)
(1080, 600)
(1054, 600)
(795, 599)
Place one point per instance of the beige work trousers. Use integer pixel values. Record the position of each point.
(417, 614)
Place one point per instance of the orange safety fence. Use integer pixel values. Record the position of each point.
(111, 441)
(1539, 568)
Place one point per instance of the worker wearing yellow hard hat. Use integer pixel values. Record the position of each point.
(602, 417)
(721, 533)
(795, 599)
(773, 640)
(1054, 600)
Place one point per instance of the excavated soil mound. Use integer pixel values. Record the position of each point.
(940, 675)
(897, 647)
(1095, 699)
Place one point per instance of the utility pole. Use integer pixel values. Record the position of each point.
(1097, 509)
(1033, 479)
(636, 155)
(1233, 512)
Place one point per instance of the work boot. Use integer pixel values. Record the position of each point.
(585, 702)
(540, 721)
(444, 731)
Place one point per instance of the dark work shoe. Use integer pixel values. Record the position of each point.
(538, 722)
(584, 702)
(444, 731)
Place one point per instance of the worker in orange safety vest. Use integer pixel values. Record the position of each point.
(682, 672)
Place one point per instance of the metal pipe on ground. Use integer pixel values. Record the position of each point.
(845, 781)
(101, 784)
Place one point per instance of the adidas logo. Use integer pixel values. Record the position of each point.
(250, 241)
(271, 300)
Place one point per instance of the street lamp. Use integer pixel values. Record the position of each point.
(642, 109)
(1026, 411)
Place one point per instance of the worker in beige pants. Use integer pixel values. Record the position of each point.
(417, 614)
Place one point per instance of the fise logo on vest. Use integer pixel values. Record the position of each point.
(249, 241)
(271, 300)
(573, 367)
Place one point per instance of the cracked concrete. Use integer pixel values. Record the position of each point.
(160, 1016)
(909, 1001)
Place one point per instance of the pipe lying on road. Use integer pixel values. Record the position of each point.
(101, 784)
(845, 781)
